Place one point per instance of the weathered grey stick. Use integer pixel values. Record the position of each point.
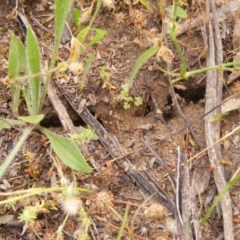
(212, 130)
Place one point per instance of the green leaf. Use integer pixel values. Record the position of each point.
(140, 61)
(16, 60)
(62, 9)
(180, 12)
(34, 66)
(16, 66)
(100, 33)
(8, 123)
(218, 117)
(126, 105)
(87, 134)
(11, 156)
(34, 119)
(86, 69)
(138, 101)
(76, 17)
(145, 3)
(83, 34)
(68, 152)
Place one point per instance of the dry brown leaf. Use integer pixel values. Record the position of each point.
(165, 54)
(230, 105)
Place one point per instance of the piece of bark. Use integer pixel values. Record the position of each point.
(60, 109)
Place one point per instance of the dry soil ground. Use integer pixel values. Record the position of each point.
(148, 139)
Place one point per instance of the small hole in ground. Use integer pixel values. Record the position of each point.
(54, 121)
(192, 94)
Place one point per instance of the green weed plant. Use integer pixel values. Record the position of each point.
(26, 78)
(125, 92)
(29, 81)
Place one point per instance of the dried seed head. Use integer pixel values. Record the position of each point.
(71, 205)
(76, 68)
(120, 17)
(138, 18)
(86, 15)
(156, 212)
(143, 231)
(131, 2)
(165, 54)
(103, 200)
(110, 4)
(75, 50)
(70, 201)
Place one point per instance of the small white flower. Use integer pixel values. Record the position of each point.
(71, 205)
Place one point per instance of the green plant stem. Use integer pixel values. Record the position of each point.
(33, 191)
(49, 75)
(82, 81)
(174, 39)
(28, 77)
(84, 33)
(219, 197)
(11, 156)
(60, 22)
(191, 73)
(99, 4)
(60, 228)
(124, 222)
